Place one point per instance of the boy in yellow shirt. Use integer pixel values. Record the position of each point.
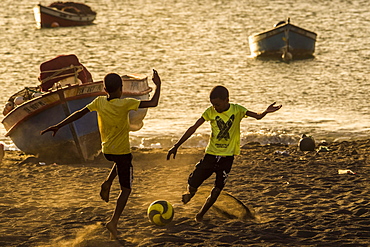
(113, 122)
(223, 144)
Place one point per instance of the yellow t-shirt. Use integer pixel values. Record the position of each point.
(113, 122)
(225, 126)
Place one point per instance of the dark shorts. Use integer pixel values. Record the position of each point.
(124, 168)
(221, 165)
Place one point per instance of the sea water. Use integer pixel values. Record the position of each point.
(196, 45)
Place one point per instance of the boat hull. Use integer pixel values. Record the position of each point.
(50, 17)
(298, 41)
(80, 140)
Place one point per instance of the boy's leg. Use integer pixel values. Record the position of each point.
(105, 187)
(124, 170)
(121, 203)
(208, 203)
(223, 168)
(197, 177)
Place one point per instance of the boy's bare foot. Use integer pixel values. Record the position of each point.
(104, 191)
(186, 197)
(112, 228)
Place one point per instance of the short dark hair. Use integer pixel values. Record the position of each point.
(112, 82)
(219, 92)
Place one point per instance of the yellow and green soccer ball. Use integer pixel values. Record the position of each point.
(160, 212)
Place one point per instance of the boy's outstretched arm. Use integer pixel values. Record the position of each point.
(270, 109)
(73, 117)
(155, 99)
(184, 137)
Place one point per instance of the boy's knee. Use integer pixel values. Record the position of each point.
(216, 190)
(192, 190)
(126, 190)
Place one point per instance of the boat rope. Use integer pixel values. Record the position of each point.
(33, 91)
(57, 73)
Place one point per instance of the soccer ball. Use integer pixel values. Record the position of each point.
(160, 212)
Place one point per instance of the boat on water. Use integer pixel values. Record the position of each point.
(63, 14)
(63, 91)
(285, 40)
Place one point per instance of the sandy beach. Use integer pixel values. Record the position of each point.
(298, 199)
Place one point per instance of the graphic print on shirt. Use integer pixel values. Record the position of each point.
(224, 127)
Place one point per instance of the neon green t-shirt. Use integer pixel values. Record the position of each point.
(225, 126)
(113, 122)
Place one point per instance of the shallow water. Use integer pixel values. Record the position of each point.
(196, 45)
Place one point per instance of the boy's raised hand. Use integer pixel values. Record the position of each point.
(156, 79)
(273, 108)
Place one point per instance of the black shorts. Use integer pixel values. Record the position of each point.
(221, 165)
(124, 168)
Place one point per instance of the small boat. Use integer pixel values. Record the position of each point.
(63, 14)
(63, 91)
(285, 40)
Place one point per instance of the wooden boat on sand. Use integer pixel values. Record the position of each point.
(63, 14)
(285, 41)
(35, 108)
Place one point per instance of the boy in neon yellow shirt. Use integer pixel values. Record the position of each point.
(113, 122)
(223, 144)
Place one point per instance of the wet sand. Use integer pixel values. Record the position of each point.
(298, 199)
